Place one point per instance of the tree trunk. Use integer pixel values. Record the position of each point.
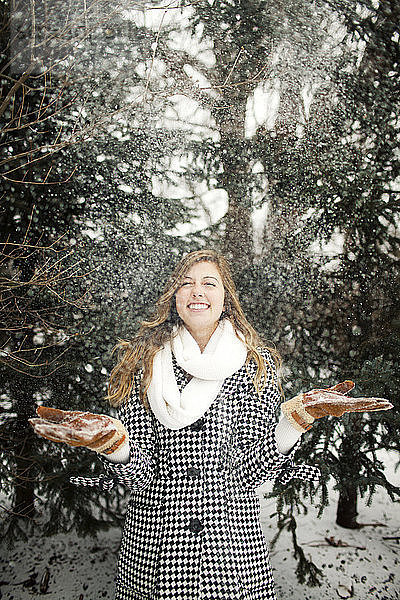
(237, 244)
(238, 239)
(22, 388)
(350, 462)
(230, 117)
(346, 515)
(24, 506)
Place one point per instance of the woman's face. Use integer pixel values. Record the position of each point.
(200, 298)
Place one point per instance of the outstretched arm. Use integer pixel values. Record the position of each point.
(264, 450)
(126, 446)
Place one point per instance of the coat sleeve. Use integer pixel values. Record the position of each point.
(256, 456)
(141, 468)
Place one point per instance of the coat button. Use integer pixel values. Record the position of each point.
(195, 525)
(193, 472)
(198, 425)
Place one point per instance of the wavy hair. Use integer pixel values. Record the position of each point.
(138, 354)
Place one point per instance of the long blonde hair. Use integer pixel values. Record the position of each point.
(140, 351)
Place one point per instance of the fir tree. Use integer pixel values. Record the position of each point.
(342, 323)
(74, 170)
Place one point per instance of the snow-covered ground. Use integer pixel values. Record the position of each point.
(368, 568)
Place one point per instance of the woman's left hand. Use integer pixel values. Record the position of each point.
(318, 403)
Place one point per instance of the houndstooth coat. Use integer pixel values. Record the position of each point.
(192, 528)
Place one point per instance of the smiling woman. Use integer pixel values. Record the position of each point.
(187, 283)
(197, 393)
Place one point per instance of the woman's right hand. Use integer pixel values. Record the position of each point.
(100, 433)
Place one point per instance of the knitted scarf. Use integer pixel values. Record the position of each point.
(224, 355)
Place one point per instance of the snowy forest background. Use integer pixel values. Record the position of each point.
(132, 132)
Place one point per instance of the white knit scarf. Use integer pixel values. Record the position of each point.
(223, 356)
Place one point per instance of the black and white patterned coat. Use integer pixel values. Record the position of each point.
(192, 528)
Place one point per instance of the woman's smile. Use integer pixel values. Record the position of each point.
(198, 306)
